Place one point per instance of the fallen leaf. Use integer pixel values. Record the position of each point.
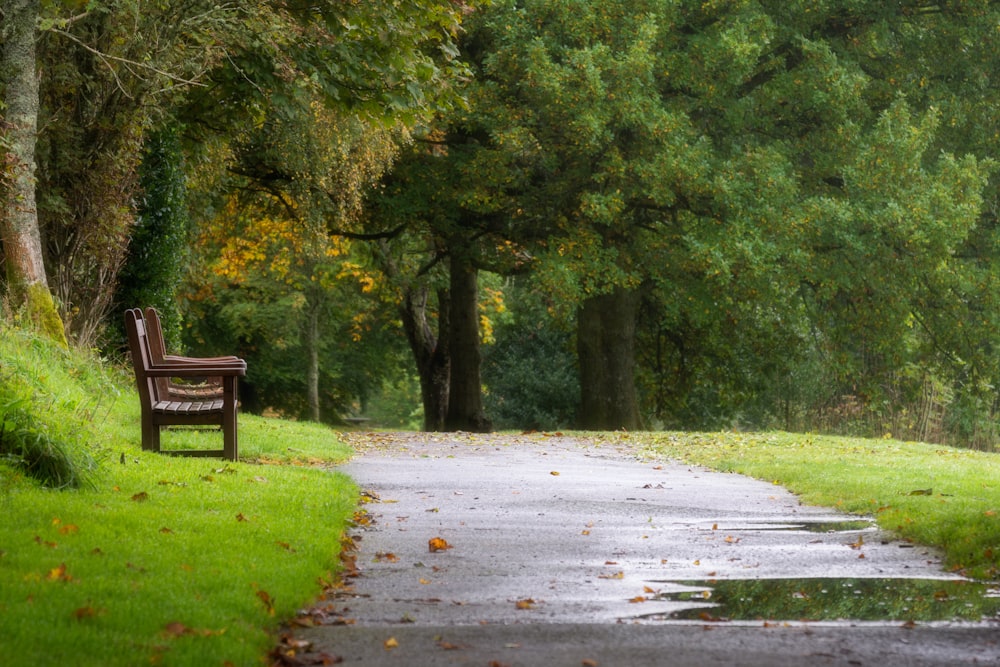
(50, 545)
(921, 492)
(141, 497)
(240, 517)
(265, 597)
(585, 532)
(860, 543)
(616, 575)
(166, 531)
(69, 529)
(587, 662)
(175, 629)
(59, 574)
(448, 646)
(526, 603)
(84, 612)
(424, 582)
(389, 557)
(637, 599)
(286, 546)
(390, 643)
(554, 473)
(436, 544)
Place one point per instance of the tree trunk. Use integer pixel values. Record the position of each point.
(430, 351)
(22, 241)
(606, 352)
(465, 401)
(312, 352)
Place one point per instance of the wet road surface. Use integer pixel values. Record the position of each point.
(534, 550)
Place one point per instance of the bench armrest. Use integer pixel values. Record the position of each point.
(176, 358)
(175, 369)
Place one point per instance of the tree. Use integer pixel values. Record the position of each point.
(690, 155)
(22, 241)
(388, 71)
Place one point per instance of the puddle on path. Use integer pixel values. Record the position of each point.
(917, 600)
(835, 526)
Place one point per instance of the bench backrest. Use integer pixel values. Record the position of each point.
(138, 343)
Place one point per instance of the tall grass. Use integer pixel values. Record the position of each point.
(50, 400)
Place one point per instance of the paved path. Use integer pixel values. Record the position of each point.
(563, 552)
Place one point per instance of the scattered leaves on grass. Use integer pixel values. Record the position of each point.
(436, 544)
(69, 529)
(166, 531)
(285, 545)
(45, 543)
(140, 497)
(177, 629)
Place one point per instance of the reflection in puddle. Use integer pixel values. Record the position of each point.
(836, 526)
(830, 599)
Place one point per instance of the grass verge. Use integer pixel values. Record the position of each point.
(938, 496)
(154, 559)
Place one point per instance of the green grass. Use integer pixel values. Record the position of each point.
(938, 496)
(153, 559)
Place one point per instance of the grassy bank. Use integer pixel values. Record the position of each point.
(139, 558)
(939, 496)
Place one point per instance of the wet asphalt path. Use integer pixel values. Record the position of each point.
(560, 552)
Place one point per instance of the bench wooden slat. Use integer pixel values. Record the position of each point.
(162, 406)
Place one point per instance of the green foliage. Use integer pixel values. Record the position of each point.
(158, 250)
(530, 371)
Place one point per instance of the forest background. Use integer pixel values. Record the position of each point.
(607, 214)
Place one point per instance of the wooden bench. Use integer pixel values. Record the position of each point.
(160, 407)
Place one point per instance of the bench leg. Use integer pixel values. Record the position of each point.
(150, 434)
(230, 448)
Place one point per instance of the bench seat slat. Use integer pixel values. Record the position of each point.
(187, 407)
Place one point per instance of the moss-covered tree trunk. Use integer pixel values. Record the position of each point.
(28, 288)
